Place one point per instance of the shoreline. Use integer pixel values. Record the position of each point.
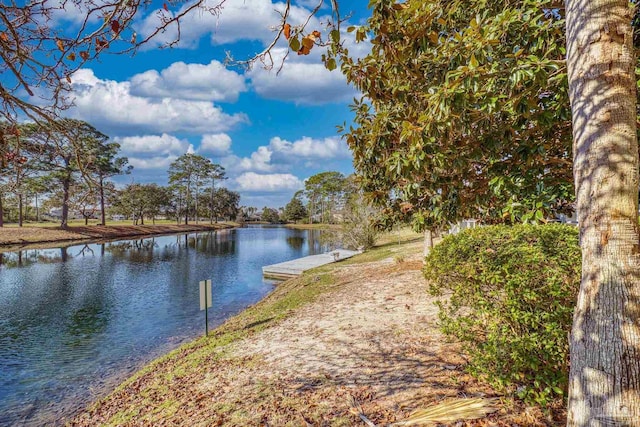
(363, 330)
(21, 238)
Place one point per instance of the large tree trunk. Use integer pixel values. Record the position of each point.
(65, 201)
(186, 211)
(102, 210)
(428, 244)
(1, 211)
(604, 381)
(20, 210)
(37, 209)
(211, 202)
(196, 202)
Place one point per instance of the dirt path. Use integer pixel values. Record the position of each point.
(376, 330)
(370, 340)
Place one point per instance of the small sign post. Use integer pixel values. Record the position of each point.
(205, 302)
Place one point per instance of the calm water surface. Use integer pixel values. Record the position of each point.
(75, 321)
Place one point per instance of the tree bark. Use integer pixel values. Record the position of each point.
(1, 211)
(186, 211)
(213, 181)
(102, 210)
(179, 205)
(428, 244)
(65, 201)
(196, 202)
(20, 210)
(604, 380)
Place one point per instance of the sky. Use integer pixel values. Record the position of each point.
(269, 130)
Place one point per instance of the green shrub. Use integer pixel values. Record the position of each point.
(507, 293)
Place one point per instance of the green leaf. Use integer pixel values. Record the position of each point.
(294, 44)
(331, 64)
(473, 63)
(335, 36)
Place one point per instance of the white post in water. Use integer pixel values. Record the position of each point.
(205, 302)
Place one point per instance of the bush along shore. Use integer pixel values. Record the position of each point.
(352, 341)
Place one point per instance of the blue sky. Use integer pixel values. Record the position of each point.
(269, 131)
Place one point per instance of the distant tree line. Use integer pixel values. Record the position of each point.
(68, 165)
(324, 199)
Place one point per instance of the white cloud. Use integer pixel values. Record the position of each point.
(310, 148)
(260, 161)
(212, 82)
(280, 154)
(251, 181)
(311, 3)
(217, 144)
(237, 20)
(111, 107)
(65, 12)
(303, 79)
(153, 152)
(154, 144)
(158, 164)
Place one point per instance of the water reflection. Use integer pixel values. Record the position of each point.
(295, 242)
(75, 320)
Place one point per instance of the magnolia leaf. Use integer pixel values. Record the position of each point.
(304, 51)
(287, 31)
(433, 37)
(60, 45)
(115, 26)
(316, 34)
(71, 56)
(335, 36)
(294, 44)
(165, 7)
(307, 44)
(84, 54)
(473, 63)
(331, 64)
(4, 37)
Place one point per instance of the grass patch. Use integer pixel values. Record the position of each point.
(151, 381)
(314, 226)
(388, 247)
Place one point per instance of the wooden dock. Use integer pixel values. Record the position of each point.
(293, 268)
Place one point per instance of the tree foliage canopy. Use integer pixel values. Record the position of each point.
(465, 110)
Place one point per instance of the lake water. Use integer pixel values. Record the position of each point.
(76, 321)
